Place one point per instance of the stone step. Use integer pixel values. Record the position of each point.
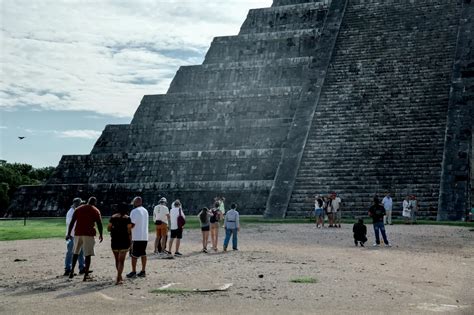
(285, 18)
(234, 76)
(277, 3)
(173, 108)
(47, 199)
(136, 139)
(164, 166)
(263, 46)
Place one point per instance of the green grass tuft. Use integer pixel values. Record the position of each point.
(304, 280)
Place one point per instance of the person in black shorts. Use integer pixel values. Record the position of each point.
(204, 219)
(176, 231)
(120, 227)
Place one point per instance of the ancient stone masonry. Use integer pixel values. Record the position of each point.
(456, 184)
(310, 97)
(219, 130)
(381, 118)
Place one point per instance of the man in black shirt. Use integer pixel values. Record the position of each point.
(377, 212)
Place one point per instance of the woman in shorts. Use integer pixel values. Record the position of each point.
(216, 216)
(204, 219)
(318, 211)
(120, 227)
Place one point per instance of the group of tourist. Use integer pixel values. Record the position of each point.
(330, 207)
(129, 233)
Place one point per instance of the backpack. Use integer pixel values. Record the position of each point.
(320, 203)
(181, 220)
(215, 216)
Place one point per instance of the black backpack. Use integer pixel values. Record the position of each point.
(215, 216)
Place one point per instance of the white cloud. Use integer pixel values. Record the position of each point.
(75, 133)
(3, 127)
(83, 134)
(104, 56)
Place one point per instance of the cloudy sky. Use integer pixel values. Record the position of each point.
(68, 68)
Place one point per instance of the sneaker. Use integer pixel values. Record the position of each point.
(71, 275)
(376, 245)
(141, 274)
(204, 250)
(166, 252)
(388, 245)
(132, 274)
(235, 249)
(225, 249)
(66, 272)
(362, 244)
(178, 254)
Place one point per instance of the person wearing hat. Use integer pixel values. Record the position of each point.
(70, 243)
(161, 216)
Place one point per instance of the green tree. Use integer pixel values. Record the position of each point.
(13, 175)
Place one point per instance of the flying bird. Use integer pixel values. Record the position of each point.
(21, 138)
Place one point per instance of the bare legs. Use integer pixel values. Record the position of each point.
(119, 264)
(134, 263)
(178, 242)
(214, 235)
(205, 239)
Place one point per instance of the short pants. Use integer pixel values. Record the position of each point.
(139, 248)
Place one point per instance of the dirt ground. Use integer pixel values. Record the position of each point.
(429, 269)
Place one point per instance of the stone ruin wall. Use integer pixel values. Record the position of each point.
(275, 114)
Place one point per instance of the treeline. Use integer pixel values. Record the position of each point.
(13, 175)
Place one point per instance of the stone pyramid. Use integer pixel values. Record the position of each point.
(352, 96)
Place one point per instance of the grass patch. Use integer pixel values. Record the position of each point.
(37, 228)
(304, 280)
(172, 291)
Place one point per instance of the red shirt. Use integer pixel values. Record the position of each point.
(86, 216)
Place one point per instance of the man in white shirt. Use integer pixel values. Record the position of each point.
(70, 243)
(161, 216)
(139, 218)
(336, 208)
(388, 205)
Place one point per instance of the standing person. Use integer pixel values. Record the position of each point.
(204, 219)
(318, 211)
(329, 211)
(336, 207)
(232, 227)
(388, 205)
(70, 243)
(376, 212)
(83, 221)
(139, 218)
(360, 233)
(414, 209)
(120, 227)
(406, 213)
(176, 230)
(214, 220)
(221, 204)
(161, 216)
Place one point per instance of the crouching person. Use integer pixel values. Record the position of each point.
(360, 233)
(232, 226)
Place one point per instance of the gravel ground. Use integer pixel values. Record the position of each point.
(429, 269)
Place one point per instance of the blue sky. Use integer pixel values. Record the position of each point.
(68, 68)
